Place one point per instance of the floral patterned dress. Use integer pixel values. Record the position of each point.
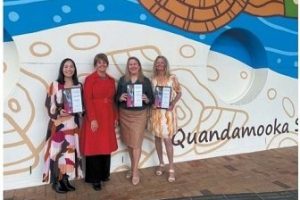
(164, 122)
(62, 155)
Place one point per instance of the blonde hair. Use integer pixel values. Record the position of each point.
(167, 68)
(127, 73)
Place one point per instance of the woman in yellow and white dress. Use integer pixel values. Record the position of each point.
(164, 121)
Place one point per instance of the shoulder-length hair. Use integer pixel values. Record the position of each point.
(167, 67)
(61, 76)
(127, 73)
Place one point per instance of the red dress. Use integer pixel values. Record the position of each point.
(99, 104)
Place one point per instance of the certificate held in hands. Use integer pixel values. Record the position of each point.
(162, 97)
(72, 100)
(134, 95)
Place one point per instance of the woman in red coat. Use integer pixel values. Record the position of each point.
(98, 135)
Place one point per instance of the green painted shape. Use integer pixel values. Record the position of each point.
(290, 8)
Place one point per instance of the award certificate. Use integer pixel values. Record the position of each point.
(72, 100)
(162, 97)
(134, 95)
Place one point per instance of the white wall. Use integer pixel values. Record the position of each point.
(215, 92)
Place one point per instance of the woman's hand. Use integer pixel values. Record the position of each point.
(116, 123)
(172, 103)
(94, 125)
(145, 99)
(171, 106)
(63, 113)
(123, 97)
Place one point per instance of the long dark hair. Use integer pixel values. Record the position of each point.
(61, 77)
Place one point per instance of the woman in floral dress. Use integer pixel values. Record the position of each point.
(164, 121)
(62, 156)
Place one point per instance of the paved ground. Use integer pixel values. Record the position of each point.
(284, 195)
(239, 177)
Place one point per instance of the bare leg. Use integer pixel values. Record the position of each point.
(129, 173)
(136, 154)
(130, 151)
(170, 151)
(158, 146)
(170, 154)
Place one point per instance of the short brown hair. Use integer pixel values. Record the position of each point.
(100, 56)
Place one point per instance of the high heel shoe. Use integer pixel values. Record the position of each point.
(160, 170)
(171, 177)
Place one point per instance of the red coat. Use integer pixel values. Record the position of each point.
(99, 105)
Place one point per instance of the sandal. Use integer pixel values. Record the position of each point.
(128, 174)
(160, 170)
(135, 179)
(171, 177)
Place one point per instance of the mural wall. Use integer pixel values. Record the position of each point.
(235, 59)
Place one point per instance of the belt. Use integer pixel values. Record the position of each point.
(104, 100)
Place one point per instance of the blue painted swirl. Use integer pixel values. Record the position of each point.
(278, 35)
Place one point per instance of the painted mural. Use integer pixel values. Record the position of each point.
(236, 61)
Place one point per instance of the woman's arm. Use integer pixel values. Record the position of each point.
(148, 91)
(82, 98)
(52, 108)
(88, 99)
(175, 100)
(176, 87)
(115, 108)
(120, 92)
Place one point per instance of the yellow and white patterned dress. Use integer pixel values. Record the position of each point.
(164, 122)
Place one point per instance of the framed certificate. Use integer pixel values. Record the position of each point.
(134, 95)
(162, 96)
(72, 100)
